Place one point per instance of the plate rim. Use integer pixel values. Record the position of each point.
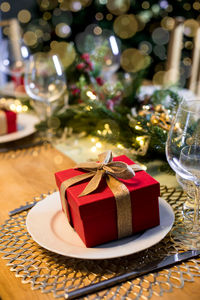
(89, 253)
(22, 119)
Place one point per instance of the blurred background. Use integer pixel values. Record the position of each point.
(142, 30)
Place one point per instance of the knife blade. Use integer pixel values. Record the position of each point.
(157, 265)
(21, 208)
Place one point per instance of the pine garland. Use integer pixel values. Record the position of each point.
(114, 115)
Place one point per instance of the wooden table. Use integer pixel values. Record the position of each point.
(28, 174)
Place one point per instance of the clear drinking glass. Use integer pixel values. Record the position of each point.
(45, 83)
(107, 54)
(183, 155)
(189, 189)
(13, 55)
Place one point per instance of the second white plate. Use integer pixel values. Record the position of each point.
(25, 127)
(48, 227)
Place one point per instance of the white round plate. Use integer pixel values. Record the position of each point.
(48, 226)
(25, 126)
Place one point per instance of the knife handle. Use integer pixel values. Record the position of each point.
(152, 267)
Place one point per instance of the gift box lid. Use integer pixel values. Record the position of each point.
(102, 200)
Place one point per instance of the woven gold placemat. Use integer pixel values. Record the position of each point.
(56, 274)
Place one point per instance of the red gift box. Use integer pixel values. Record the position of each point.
(8, 122)
(94, 216)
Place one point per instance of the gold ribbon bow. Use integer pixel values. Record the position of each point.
(114, 171)
(3, 123)
(5, 104)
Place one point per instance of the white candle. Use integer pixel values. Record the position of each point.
(174, 52)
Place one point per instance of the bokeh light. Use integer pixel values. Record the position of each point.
(24, 16)
(145, 47)
(156, 9)
(5, 6)
(196, 5)
(125, 26)
(160, 36)
(187, 6)
(30, 38)
(97, 30)
(189, 45)
(145, 16)
(168, 23)
(99, 16)
(62, 30)
(39, 33)
(159, 78)
(109, 17)
(117, 7)
(145, 5)
(6, 30)
(46, 36)
(47, 4)
(57, 12)
(47, 16)
(132, 60)
(190, 27)
(187, 61)
(74, 5)
(160, 51)
(65, 51)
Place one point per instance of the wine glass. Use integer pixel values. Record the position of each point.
(189, 189)
(45, 83)
(14, 54)
(106, 54)
(183, 155)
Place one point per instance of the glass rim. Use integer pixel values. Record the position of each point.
(184, 102)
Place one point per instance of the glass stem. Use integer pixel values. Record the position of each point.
(196, 207)
(48, 117)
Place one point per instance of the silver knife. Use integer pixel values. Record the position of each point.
(149, 268)
(22, 208)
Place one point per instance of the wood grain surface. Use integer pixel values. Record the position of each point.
(24, 176)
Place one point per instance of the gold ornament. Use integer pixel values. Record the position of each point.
(154, 120)
(159, 108)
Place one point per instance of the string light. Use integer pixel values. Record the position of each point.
(98, 145)
(137, 127)
(14, 105)
(93, 149)
(88, 108)
(120, 146)
(91, 95)
(140, 140)
(93, 140)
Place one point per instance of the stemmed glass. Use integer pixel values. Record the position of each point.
(183, 155)
(107, 54)
(189, 189)
(14, 54)
(45, 83)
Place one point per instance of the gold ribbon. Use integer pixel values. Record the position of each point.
(114, 171)
(4, 105)
(3, 123)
